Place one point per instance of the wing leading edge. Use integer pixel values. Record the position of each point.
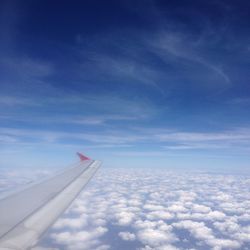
(26, 215)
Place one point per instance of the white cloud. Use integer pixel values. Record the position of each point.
(163, 247)
(218, 244)
(124, 218)
(127, 236)
(212, 216)
(74, 223)
(155, 237)
(177, 208)
(153, 208)
(43, 248)
(198, 229)
(161, 215)
(80, 239)
(106, 138)
(197, 208)
(182, 47)
(227, 227)
(103, 247)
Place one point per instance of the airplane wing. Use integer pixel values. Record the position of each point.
(26, 215)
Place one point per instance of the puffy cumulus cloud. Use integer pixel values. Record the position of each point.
(243, 234)
(155, 237)
(156, 210)
(80, 239)
(124, 218)
(43, 248)
(228, 226)
(127, 236)
(177, 208)
(218, 244)
(197, 208)
(201, 232)
(74, 223)
(212, 216)
(198, 229)
(153, 207)
(161, 215)
(163, 247)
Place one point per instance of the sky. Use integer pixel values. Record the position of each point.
(132, 83)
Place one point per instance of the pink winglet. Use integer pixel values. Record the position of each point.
(82, 157)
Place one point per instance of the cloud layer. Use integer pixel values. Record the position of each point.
(132, 209)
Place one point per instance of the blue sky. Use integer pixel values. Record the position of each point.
(133, 83)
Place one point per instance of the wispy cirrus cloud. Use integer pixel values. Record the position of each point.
(129, 70)
(169, 44)
(16, 101)
(24, 70)
(169, 140)
(92, 109)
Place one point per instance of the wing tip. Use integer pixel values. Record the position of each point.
(83, 157)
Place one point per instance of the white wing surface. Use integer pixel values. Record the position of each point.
(26, 215)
